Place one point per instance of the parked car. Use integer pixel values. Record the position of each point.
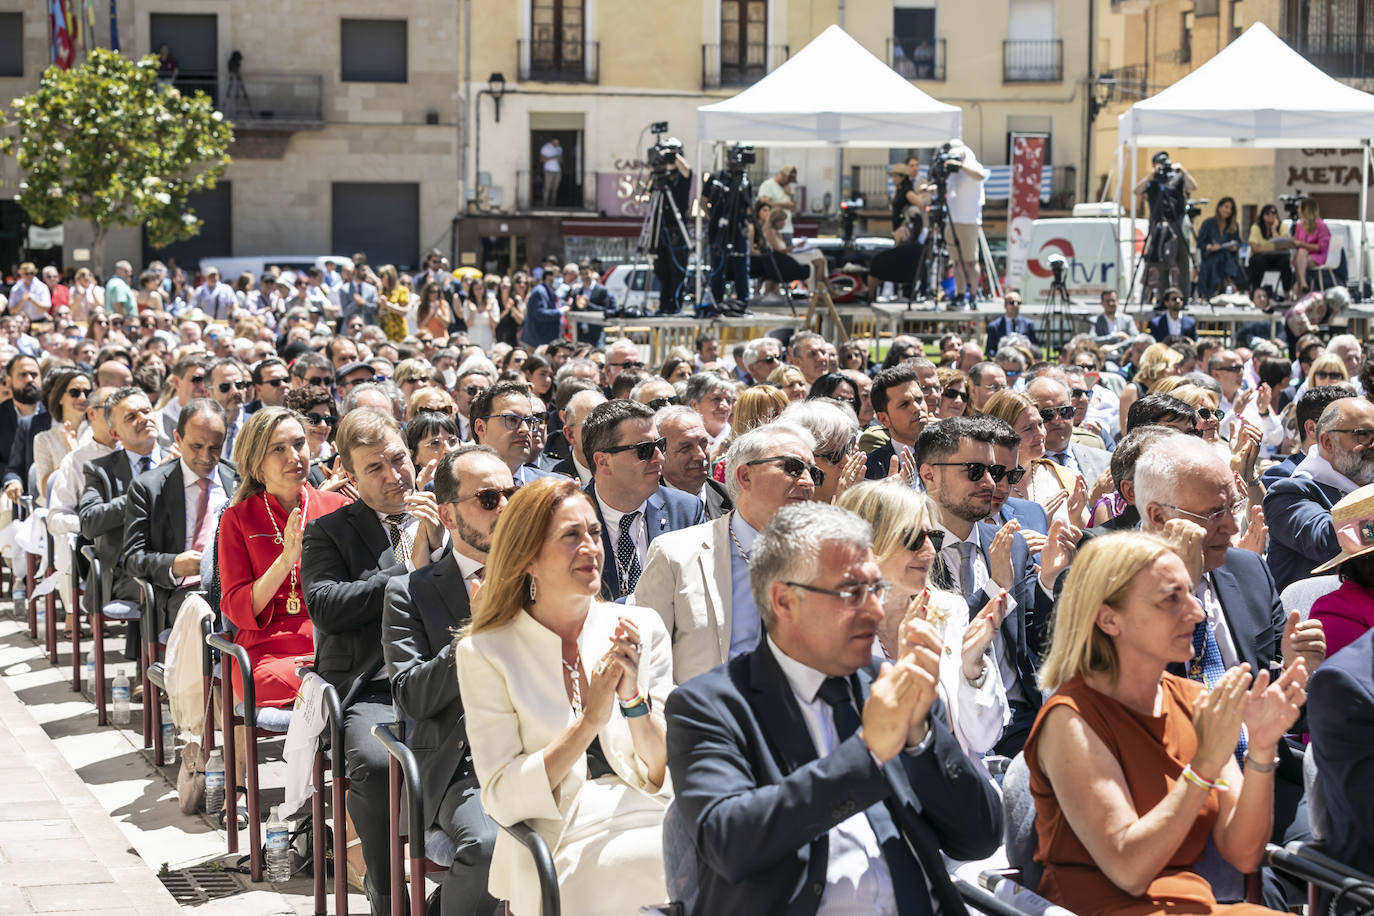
(231, 267)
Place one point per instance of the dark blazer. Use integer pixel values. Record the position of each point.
(759, 804)
(543, 319)
(1340, 704)
(1254, 614)
(105, 484)
(21, 452)
(666, 510)
(718, 500)
(878, 461)
(600, 299)
(346, 562)
(1159, 326)
(1029, 513)
(421, 611)
(9, 423)
(1001, 326)
(1281, 471)
(1302, 535)
(155, 530)
(1026, 628)
(566, 467)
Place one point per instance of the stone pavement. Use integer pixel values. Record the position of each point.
(87, 821)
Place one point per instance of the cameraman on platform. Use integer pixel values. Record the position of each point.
(964, 197)
(1166, 248)
(671, 248)
(729, 205)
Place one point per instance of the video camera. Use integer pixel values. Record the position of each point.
(1291, 203)
(944, 162)
(738, 156)
(662, 156)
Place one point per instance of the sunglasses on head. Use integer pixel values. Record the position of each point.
(915, 538)
(643, 450)
(976, 469)
(320, 419)
(491, 497)
(225, 387)
(793, 467)
(1047, 414)
(660, 403)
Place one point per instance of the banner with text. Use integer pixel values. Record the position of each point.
(1023, 204)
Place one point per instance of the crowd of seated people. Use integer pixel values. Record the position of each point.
(797, 607)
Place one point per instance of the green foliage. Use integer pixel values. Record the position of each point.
(105, 142)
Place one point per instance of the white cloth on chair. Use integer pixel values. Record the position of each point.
(307, 723)
(183, 668)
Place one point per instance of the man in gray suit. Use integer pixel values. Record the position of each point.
(1051, 396)
(422, 610)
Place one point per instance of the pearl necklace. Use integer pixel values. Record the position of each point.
(293, 601)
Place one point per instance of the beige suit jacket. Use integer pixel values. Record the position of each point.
(514, 698)
(687, 580)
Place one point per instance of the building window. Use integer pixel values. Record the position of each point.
(915, 49)
(743, 41)
(192, 40)
(1031, 52)
(373, 51)
(557, 38)
(11, 44)
(379, 218)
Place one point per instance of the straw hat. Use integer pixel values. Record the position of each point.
(1354, 520)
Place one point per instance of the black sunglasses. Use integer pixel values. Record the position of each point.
(490, 498)
(1079, 392)
(976, 469)
(318, 419)
(660, 403)
(643, 450)
(915, 539)
(473, 391)
(1047, 414)
(224, 387)
(196, 379)
(793, 466)
(78, 392)
(769, 359)
(954, 394)
(274, 382)
(628, 364)
(1210, 413)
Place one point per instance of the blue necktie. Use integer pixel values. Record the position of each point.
(1206, 666)
(627, 557)
(145, 464)
(1060, 458)
(908, 885)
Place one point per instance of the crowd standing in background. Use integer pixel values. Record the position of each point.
(795, 602)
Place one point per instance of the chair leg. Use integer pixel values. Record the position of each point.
(50, 636)
(397, 864)
(147, 709)
(30, 577)
(250, 777)
(74, 615)
(317, 832)
(98, 688)
(339, 809)
(231, 823)
(207, 688)
(150, 702)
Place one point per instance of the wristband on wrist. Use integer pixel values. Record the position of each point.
(1190, 775)
(638, 709)
(1253, 765)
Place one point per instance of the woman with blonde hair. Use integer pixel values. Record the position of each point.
(1312, 241)
(563, 696)
(393, 298)
(755, 406)
(85, 296)
(906, 545)
(1133, 769)
(1060, 491)
(1327, 369)
(790, 381)
(1157, 362)
(1209, 413)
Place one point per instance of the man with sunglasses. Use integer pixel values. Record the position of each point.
(697, 579)
(1030, 515)
(229, 389)
(621, 441)
(504, 418)
(1051, 398)
(1302, 534)
(422, 610)
(271, 383)
(190, 379)
(1172, 322)
(467, 387)
(654, 393)
(351, 375)
(1010, 322)
(761, 357)
(621, 354)
(988, 378)
(800, 789)
(956, 462)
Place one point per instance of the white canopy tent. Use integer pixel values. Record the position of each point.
(1257, 92)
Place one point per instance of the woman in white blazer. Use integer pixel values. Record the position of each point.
(563, 696)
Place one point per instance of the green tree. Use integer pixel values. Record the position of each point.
(105, 142)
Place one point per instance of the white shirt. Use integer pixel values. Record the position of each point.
(775, 194)
(39, 304)
(639, 534)
(552, 157)
(1175, 325)
(949, 552)
(409, 525)
(468, 568)
(857, 879)
(584, 473)
(191, 481)
(1320, 470)
(1216, 620)
(965, 193)
(66, 490)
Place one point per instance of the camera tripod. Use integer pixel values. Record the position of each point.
(651, 235)
(1059, 325)
(939, 250)
(728, 245)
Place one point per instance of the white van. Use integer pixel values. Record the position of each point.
(230, 268)
(1096, 252)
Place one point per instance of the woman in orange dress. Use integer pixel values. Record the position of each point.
(1133, 769)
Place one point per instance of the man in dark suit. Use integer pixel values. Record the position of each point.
(1340, 714)
(1010, 322)
(1302, 535)
(899, 404)
(955, 462)
(171, 512)
(686, 458)
(621, 441)
(1184, 490)
(791, 806)
(1308, 411)
(347, 558)
(15, 417)
(1172, 322)
(503, 417)
(422, 611)
(104, 493)
(590, 295)
(543, 312)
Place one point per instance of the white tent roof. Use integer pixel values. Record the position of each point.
(833, 91)
(1256, 92)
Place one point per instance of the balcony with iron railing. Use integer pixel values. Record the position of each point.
(261, 100)
(727, 65)
(559, 61)
(575, 191)
(1344, 55)
(917, 58)
(1040, 61)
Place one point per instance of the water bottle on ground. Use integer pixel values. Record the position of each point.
(169, 736)
(278, 849)
(214, 783)
(42, 618)
(120, 698)
(90, 673)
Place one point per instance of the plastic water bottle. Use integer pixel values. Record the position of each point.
(42, 618)
(214, 784)
(169, 736)
(278, 849)
(120, 698)
(90, 672)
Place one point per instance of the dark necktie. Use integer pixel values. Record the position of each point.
(145, 464)
(398, 541)
(1060, 458)
(627, 557)
(908, 885)
(1207, 666)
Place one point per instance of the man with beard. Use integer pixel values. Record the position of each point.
(686, 461)
(472, 486)
(957, 463)
(16, 422)
(1298, 508)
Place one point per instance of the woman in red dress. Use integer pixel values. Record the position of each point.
(260, 551)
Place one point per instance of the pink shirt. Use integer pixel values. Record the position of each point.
(1321, 237)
